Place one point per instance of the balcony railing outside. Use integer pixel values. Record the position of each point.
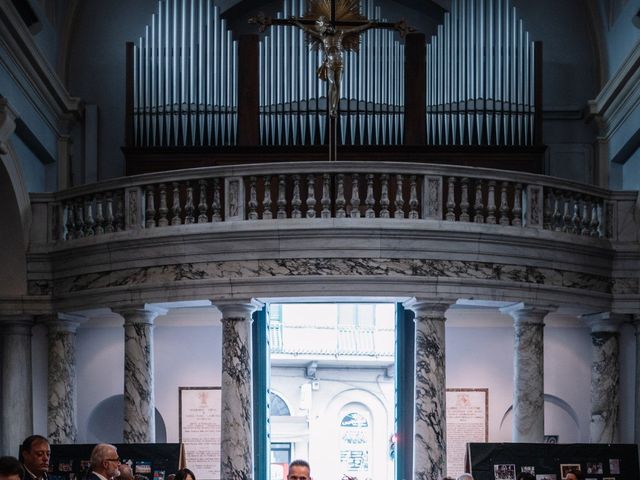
(321, 190)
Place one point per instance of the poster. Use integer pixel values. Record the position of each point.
(467, 421)
(200, 409)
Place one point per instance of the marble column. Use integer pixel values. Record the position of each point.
(605, 376)
(430, 459)
(139, 399)
(17, 400)
(636, 323)
(236, 455)
(62, 381)
(528, 372)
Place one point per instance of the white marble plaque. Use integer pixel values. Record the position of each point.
(200, 430)
(467, 422)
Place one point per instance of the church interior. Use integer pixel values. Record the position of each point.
(343, 231)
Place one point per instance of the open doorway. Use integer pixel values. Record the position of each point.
(332, 388)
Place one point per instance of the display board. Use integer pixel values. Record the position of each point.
(467, 421)
(153, 460)
(504, 461)
(200, 413)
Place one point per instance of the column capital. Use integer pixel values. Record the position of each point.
(431, 308)
(523, 313)
(604, 322)
(140, 314)
(243, 308)
(16, 323)
(63, 322)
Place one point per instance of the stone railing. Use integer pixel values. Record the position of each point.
(323, 190)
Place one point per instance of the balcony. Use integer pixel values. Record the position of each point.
(375, 229)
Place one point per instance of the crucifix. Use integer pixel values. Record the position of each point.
(332, 26)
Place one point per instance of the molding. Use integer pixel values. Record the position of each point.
(620, 95)
(45, 86)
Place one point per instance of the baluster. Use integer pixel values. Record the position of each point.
(253, 199)
(478, 205)
(504, 204)
(548, 211)
(464, 200)
(450, 214)
(99, 215)
(151, 208)
(566, 217)
(586, 221)
(557, 211)
(70, 224)
(216, 204)
(120, 211)
(109, 227)
(282, 201)
(326, 196)
(175, 206)
(384, 196)
(399, 202)
(370, 199)
(491, 203)
(311, 196)
(413, 199)
(89, 222)
(517, 206)
(203, 208)
(79, 219)
(163, 221)
(267, 214)
(575, 218)
(188, 207)
(355, 196)
(295, 201)
(340, 200)
(595, 223)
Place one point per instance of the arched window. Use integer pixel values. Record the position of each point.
(278, 406)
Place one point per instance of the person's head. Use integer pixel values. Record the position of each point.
(35, 454)
(574, 475)
(105, 461)
(125, 472)
(185, 474)
(525, 476)
(299, 470)
(10, 469)
(465, 476)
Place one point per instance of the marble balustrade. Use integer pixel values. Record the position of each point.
(328, 190)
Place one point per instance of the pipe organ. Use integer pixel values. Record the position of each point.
(185, 78)
(480, 77)
(293, 101)
(483, 82)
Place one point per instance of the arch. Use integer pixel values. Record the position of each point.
(563, 406)
(16, 225)
(278, 405)
(105, 422)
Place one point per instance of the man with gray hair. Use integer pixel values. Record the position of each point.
(465, 476)
(104, 462)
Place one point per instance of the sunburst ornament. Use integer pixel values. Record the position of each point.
(347, 11)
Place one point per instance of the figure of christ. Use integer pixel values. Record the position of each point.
(332, 54)
(330, 38)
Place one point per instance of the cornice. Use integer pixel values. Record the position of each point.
(45, 85)
(619, 96)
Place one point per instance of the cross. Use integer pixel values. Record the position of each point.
(333, 36)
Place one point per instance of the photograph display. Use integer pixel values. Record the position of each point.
(504, 472)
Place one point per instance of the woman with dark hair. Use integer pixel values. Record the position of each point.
(525, 476)
(185, 474)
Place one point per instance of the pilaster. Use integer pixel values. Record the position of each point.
(430, 457)
(605, 376)
(236, 455)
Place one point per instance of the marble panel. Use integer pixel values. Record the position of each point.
(605, 379)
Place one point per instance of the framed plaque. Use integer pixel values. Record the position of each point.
(200, 430)
(467, 422)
